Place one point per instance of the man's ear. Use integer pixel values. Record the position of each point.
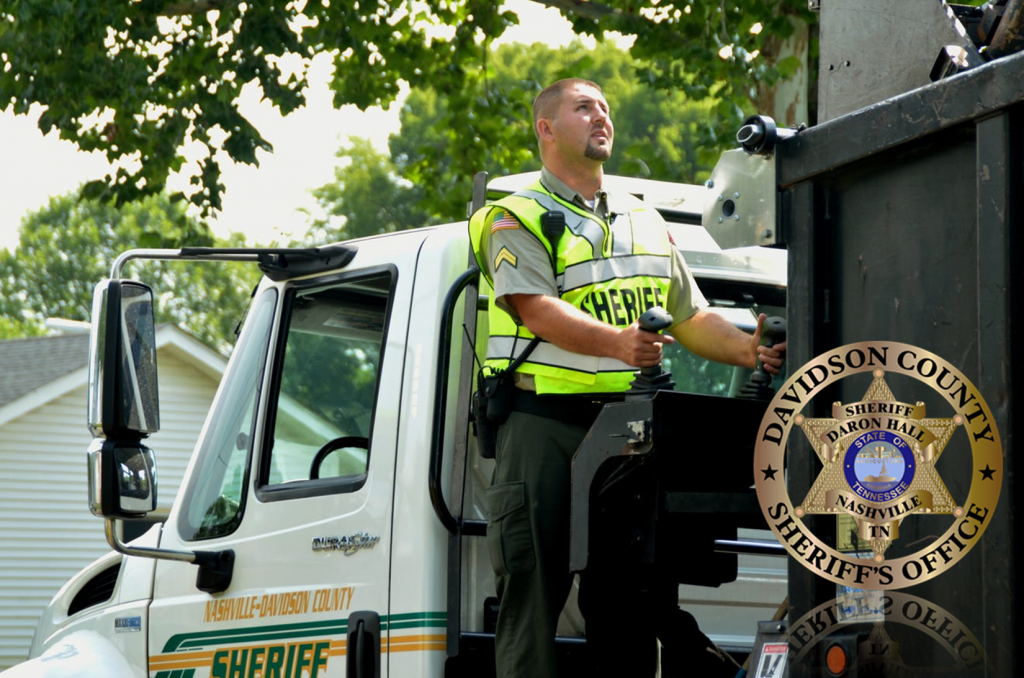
(544, 130)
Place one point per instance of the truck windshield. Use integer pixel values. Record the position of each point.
(215, 494)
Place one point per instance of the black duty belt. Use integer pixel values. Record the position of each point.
(580, 410)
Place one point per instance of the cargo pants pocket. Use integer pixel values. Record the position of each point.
(509, 533)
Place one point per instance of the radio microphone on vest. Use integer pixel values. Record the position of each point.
(552, 223)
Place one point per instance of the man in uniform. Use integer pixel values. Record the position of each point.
(579, 288)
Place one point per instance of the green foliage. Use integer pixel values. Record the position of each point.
(69, 245)
(316, 365)
(428, 176)
(138, 80)
(693, 374)
(731, 52)
(365, 198)
(18, 328)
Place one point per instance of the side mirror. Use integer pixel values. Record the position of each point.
(123, 399)
(122, 479)
(124, 408)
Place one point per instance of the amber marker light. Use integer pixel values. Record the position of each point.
(836, 659)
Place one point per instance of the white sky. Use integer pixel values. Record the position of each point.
(264, 202)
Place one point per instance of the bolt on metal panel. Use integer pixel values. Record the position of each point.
(739, 206)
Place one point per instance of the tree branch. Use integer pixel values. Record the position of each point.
(583, 8)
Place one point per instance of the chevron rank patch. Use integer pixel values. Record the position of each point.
(504, 255)
(503, 219)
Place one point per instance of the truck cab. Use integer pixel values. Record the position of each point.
(331, 518)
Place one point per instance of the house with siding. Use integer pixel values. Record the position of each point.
(46, 530)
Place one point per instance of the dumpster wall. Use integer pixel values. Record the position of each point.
(902, 222)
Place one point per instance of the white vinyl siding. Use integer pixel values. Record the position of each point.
(47, 533)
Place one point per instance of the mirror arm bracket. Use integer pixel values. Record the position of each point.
(215, 567)
(179, 255)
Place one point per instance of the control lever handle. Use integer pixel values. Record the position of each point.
(773, 331)
(650, 380)
(759, 385)
(654, 319)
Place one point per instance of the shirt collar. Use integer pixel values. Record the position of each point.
(563, 191)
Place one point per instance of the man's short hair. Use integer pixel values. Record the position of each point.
(551, 96)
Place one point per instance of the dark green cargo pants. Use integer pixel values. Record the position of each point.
(528, 540)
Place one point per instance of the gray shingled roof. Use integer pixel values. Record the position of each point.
(28, 364)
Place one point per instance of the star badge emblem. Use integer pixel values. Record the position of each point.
(878, 463)
(878, 458)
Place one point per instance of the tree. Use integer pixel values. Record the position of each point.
(139, 80)
(428, 177)
(735, 52)
(69, 245)
(367, 197)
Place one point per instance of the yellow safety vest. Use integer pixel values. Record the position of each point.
(613, 271)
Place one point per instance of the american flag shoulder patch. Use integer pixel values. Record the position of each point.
(503, 219)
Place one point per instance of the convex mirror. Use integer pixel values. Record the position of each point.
(122, 479)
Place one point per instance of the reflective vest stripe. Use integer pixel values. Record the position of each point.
(622, 236)
(578, 224)
(502, 346)
(602, 270)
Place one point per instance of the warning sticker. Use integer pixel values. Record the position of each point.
(773, 660)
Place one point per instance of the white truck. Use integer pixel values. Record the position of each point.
(331, 518)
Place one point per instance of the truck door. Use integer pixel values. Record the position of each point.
(295, 474)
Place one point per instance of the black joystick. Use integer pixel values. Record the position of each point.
(649, 380)
(759, 385)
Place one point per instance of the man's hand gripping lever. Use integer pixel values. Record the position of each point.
(650, 380)
(759, 385)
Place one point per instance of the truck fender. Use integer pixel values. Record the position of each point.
(82, 654)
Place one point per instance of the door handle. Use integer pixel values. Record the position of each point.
(362, 659)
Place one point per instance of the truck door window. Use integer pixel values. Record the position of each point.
(215, 495)
(326, 389)
(693, 374)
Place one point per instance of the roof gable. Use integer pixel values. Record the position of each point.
(27, 364)
(37, 370)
